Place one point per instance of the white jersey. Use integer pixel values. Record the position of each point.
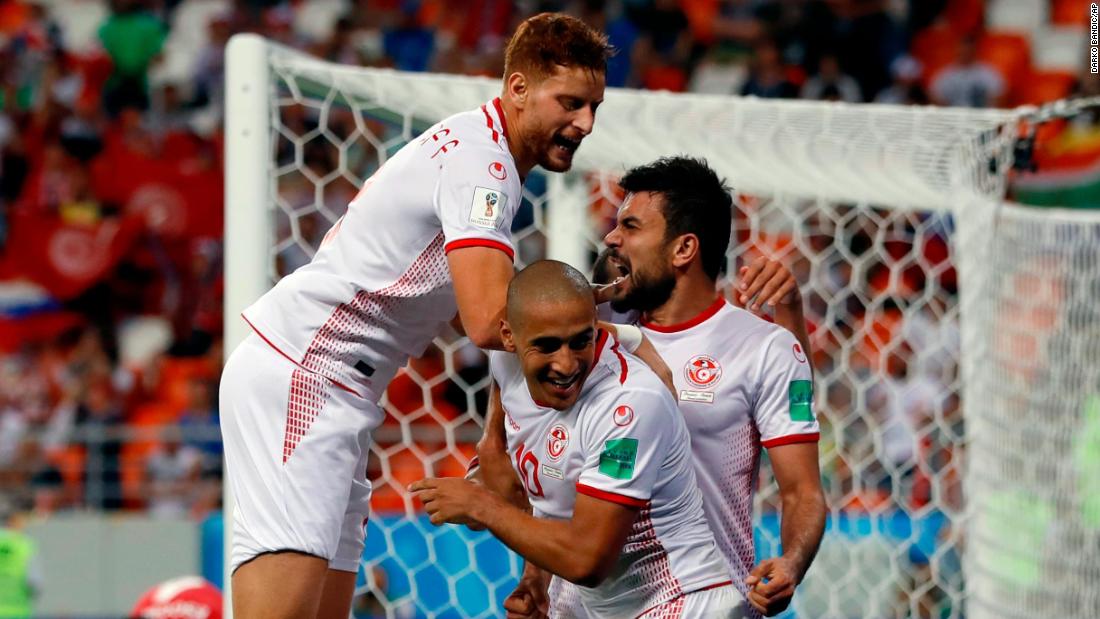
(622, 441)
(744, 383)
(379, 289)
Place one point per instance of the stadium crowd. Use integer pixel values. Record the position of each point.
(111, 210)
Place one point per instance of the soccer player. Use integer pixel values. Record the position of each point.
(428, 235)
(743, 383)
(604, 458)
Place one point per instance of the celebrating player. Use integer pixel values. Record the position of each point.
(743, 383)
(427, 235)
(604, 458)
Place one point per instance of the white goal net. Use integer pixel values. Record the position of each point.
(938, 435)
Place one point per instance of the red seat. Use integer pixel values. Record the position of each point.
(1010, 54)
(1070, 12)
(935, 47)
(965, 16)
(1046, 86)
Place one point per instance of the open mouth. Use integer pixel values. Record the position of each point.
(566, 146)
(563, 386)
(619, 266)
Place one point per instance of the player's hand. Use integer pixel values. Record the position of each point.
(773, 596)
(766, 282)
(530, 599)
(450, 499)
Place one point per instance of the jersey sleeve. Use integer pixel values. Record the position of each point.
(784, 407)
(501, 364)
(476, 200)
(624, 448)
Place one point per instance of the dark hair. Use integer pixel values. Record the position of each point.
(547, 40)
(696, 201)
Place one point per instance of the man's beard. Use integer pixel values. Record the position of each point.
(646, 294)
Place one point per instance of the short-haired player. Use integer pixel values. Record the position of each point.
(605, 462)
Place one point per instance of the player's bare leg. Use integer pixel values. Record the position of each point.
(301, 578)
(337, 594)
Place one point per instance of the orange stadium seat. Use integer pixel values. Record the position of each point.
(701, 15)
(1046, 86)
(935, 47)
(147, 418)
(176, 374)
(1070, 12)
(69, 461)
(1010, 54)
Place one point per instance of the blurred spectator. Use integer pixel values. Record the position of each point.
(408, 43)
(906, 88)
(133, 38)
(830, 83)
(172, 474)
(100, 422)
(768, 77)
(661, 51)
(968, 82)
(199, 423)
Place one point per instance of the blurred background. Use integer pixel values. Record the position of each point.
(111, 206)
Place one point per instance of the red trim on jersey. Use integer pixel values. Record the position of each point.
(461, 243)
(622, 363)
(489, 121)
(601, 339)
(683, 326)
(603, 495)
(472, 465)
(680, 599)
(288, 358)
(500, 112)
(791, 439)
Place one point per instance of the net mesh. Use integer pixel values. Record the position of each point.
(867, 205)
(1033, 390)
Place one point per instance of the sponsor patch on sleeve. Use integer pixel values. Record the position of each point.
(800, 396)
(487, 208)
(617, 459)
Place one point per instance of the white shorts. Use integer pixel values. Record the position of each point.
(724, 602)
(296, 448)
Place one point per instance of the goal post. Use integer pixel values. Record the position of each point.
(893, 219)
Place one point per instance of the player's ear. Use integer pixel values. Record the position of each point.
(517, 88)
(684, 249)
(507, 337)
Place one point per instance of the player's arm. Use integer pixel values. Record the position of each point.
(481, 275)
(769, 282)
(635, 342)
(772, 581)
(789, 430)
(475, 207)
(803, 519)
(553, 545)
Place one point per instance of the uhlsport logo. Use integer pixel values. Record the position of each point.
(498, 171)
(703, 371)
(623, 415)
(798, 354)
(556, 442)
